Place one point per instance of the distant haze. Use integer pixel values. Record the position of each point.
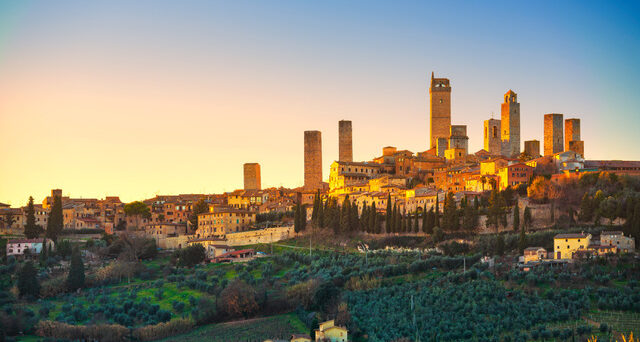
(137, 98)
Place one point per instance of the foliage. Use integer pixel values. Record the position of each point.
(28, 284)
(238, 299)
(55, 222)
(199, 207)
(164, 329)
(190, 256)
(75, 279)
(31, 229)
(103, 332)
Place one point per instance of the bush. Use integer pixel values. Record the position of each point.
(102, 332)
(161, 330)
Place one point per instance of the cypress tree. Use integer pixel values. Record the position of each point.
(416, 224)
(527, 217)
(43, 253)
(55, 222)
(354, 218)
(321, 218)
(314, 214)
(297, 225)
(372, 219)
(376, 220)
(28, 284)
(516, 216)
(364, 219)
(31, 229)
(75, 279)
(522, 243)
(425, 219)
(437, 213)
(388, 221)
(346, 215)
(397, 224)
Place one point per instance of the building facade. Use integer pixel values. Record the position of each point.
(492, 136)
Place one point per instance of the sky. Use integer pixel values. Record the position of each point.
(138, 98)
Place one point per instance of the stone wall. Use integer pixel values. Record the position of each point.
(266, 235)
(173, 242)
(345, 143)
(312, 160)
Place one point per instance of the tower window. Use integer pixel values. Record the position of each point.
(441, 101)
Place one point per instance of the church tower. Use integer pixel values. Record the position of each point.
(510, 124)
(440, 110)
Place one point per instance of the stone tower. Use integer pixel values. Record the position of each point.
(312, 160)
(510, 124)
(440, 115)
(252, 176)
(571, 132)
(492, 136)
(552, 134)
(532, 148)
(458, 138)
(345, 143)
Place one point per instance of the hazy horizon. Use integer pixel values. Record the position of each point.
(134, 99)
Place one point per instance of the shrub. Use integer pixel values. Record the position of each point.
(102, 332)
(173, 327)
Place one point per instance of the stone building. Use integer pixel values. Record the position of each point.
(312, 159)
(458, 138)
(572, 140)
(441, 145)
(252, 176)
(492, 136)
(577, 147)
(510, 125)
(552, 134)
(440, 106)
(345, 143)
(532, 148)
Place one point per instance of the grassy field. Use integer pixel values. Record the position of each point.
(258, 329)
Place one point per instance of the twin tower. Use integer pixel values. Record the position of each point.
(500, 136)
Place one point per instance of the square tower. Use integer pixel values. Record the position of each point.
(571, 132)
(440, 109)
(312, 160)
(458, 138)
(252, 176)
(532, 148)
(510, 125)
(492, 136)
(345, 146)
(552, 134)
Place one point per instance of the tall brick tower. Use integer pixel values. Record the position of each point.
(492, 136)
(552, 134)
(510, 124)
(345, 145)
(252, 176)
(440, 101)
(312, 160)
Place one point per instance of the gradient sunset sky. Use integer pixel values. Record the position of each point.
(138, 98)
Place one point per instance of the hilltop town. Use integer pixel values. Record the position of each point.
(545, 236)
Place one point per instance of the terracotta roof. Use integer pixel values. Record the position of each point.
(24, 241)
(611, 232)
(534, 248)
(571, 236)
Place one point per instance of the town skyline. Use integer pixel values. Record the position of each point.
(169, 129)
